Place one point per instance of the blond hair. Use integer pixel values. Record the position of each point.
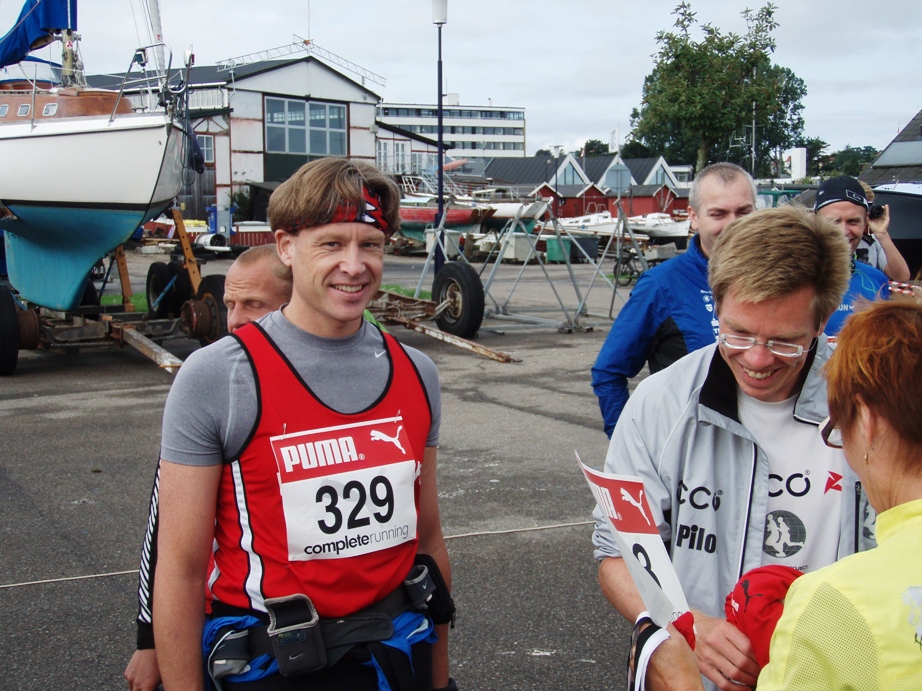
(313, 194)
(772, 253)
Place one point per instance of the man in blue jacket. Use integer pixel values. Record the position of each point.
(671, 312)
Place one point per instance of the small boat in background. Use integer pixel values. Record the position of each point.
(418, 214)
(661, 228)
(524, 210)
(83, 167)
(601, 223)
(414, 218)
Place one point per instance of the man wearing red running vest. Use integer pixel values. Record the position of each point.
(301, 452)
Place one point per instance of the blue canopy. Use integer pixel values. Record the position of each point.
(38, 19)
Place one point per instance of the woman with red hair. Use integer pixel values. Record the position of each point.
(857, 624)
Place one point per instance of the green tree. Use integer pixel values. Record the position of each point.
(782, 127)
(595, 147)
(634, 149)
(700, 91)
(851, 160)
(543, 152)
(670, 140)
(776, 130)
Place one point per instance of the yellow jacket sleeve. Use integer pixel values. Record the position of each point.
(821, 642)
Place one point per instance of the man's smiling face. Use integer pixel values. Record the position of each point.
(337, 271)
(758, 372)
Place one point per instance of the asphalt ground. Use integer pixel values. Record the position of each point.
(79, 438)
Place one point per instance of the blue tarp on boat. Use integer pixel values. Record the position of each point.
(36, 21)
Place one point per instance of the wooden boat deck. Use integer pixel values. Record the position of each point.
(16, 104)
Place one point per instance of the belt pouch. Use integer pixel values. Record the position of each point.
(230, 653)
(419, 587)
(342, 635)
(440, 607)
(294, 632)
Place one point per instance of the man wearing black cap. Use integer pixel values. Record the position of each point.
(842, 200)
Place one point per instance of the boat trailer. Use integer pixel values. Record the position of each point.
(395, 309)
(184, 304)
(24, 326)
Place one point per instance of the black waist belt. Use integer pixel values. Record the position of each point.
(374, 623)
(303, 642)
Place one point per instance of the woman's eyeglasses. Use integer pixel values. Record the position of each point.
(831, 434)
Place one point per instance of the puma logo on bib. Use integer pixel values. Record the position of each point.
(347, 490)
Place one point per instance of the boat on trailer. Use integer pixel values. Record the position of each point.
(661, 228)
(91, 165)
(83, 168)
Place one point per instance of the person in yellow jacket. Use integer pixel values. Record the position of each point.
(857, 624)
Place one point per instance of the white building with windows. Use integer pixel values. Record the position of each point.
(257, 123)
(468, 131)
(260, 122)
(404, 153)
(278, 115)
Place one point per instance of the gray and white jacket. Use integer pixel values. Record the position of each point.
(704, 473)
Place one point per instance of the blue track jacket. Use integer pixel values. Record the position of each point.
(670, 313)
(868, 283)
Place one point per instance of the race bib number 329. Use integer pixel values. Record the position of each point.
(347, 490)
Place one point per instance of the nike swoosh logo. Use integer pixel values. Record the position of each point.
(295, 657)
(377, 355)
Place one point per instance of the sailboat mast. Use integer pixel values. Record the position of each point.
(156, 26)
(68, 58)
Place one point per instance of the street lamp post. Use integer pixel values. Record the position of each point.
(440, 18)
(557, 149)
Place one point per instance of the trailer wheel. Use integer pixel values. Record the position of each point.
(183, 286)
(211, 292)
(9, 333)
(158, 276)
(459, 284)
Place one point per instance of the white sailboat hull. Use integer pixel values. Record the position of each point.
(79, 188)
(91, 161)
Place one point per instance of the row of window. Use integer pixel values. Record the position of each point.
(455, 129)
(399, 159)
(309, 127)
(452, 113)
(24, 109)
(299, 127)
(496, 146)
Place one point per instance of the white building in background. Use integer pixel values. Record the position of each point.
(260, 121)
(404, 153)
(468, 131)
(684, 174)
(795, 163)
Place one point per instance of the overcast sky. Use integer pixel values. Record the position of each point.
(576, 66)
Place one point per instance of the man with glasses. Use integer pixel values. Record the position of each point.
(726, 440)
